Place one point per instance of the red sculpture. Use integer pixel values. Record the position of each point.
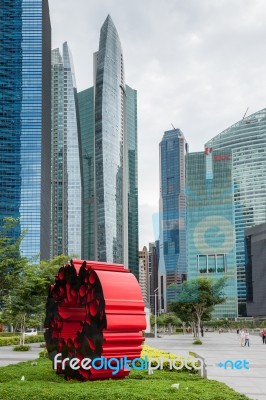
(94, 310)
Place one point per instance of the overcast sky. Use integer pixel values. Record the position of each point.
(197, 64)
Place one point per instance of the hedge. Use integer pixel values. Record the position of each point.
(13, 340)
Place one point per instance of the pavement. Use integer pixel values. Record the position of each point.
(219, 348)
(8, 356)
(216, 349)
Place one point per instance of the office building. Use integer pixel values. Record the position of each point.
(143, 274)
(66, 174)
(172, 260)
(25, 122)
(255, 239)
(153, 276)
(247, 141)
(108, 115)
(211, 244)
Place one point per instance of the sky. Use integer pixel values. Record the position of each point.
(196, 64)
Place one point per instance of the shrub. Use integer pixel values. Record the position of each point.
(21, 348)
(43, 354)
(8, 334)
(197, 341)
(13, 340)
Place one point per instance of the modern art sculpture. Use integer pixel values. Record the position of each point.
(94, 311)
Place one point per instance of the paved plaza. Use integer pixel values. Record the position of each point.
(217, 349)
(8, 356)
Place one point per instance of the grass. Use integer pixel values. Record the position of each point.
(41, 383)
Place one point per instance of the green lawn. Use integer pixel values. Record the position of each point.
(41, 382)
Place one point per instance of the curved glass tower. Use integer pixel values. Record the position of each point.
(66, 174)
(109, 158)
(110, 161)
(247, 140)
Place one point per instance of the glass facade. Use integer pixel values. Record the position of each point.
(211, 244)
(109, 146)
(132, 178)
(25, 126)
(10, 109)
(66, 175)
(108, 132)
(86, 124)
(172, 264)
(247, 140)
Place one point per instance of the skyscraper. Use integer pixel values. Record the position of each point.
(172, 262)
(211, 246)
(108, 119)
(66, 174)
(25, 120)
(247, 140)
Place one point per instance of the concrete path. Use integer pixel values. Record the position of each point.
(217, 349)
(8, 356)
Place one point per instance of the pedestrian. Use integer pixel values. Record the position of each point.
(247, 338)
(264, 336)
(237, 331)
(242, 337)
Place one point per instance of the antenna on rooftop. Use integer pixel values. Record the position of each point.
(245, 114)
(172, 125)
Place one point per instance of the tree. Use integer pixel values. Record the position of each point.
(26, 298)
(24, 303)
(197, 299)
(11, 262)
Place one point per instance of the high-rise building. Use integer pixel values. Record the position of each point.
(172, 263)
(25, 121)
(108, 114)
(255, 238)
(66, 174)
(153, 276)
(144, 274)
(143, 281)
(211, 245)
(86, 124)
(247, 140)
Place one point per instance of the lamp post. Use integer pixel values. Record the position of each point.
(155, 312)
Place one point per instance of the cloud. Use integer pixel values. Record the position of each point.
(195, 63)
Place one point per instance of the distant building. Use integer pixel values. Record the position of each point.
(108, 130)
(153, 276)
(211, 245)
(66, 175)
(247, 140)
(143, 274)
(25, 122)
(172, 262)
(143, 281)
(255, 238)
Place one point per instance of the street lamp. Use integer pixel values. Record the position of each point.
(155, 309)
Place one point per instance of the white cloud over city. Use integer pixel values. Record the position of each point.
(196, 64)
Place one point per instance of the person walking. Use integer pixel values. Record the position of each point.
(247, 338)
(242, 337)
(264, 336)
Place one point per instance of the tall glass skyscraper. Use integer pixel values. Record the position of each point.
(110, 166)
(25, 121)
(247, 140)
(66, 174)
(86, 124)
(211, 245)
(172, 263)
